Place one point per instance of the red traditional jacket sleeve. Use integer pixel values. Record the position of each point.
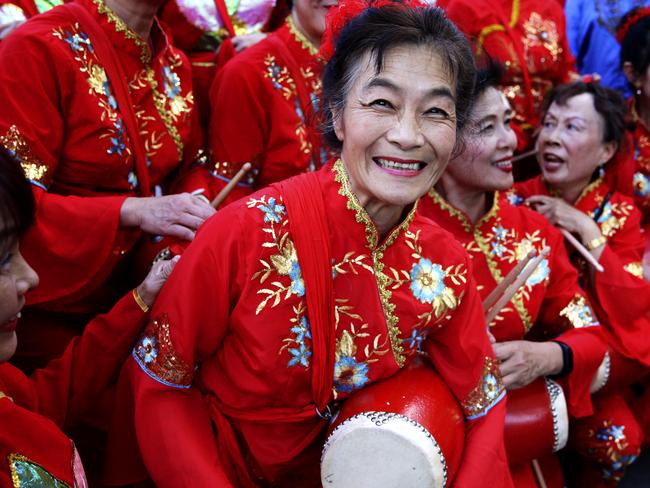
(566, 308)
(621, 296)
(32, 125)
(189, 302)
(462, 354)
(69, 386)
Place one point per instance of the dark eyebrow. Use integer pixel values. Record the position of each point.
(441, 91)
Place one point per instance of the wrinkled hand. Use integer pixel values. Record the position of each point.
(524, 361)
(153, 282)
(173, 215)
(561, 214)
(247, 40)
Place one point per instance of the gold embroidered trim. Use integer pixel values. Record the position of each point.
(588, 189)
(578, 313)
(14, 458)
(453, 211)
(121, 26)
(487, 392)
(492, 28)
(634, 268)
(361, 216)
(300, 37)
(2, 395)
(15, 143)
(159, 102)
(372, 237)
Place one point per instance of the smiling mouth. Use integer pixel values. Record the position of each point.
(394, 165)
(504, 164)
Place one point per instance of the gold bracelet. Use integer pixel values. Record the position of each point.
(138, 299)
(596, 243)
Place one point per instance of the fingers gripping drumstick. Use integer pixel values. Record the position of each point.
(507, 281)
(218, 200)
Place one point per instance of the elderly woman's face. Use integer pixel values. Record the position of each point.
(489, 143)
(570, 142)
(398, 126)
(16, 279)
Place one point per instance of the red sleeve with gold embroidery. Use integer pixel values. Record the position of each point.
(463, 356)
(75, 239)
(620, 294)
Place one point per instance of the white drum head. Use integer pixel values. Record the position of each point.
(382, 450)
(560, 414)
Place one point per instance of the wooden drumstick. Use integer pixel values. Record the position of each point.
(539, 476)
(521, 156)
(218, 200)
(518, 283)
(507, 281)
(582, 250)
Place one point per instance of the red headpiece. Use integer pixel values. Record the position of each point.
(622, 31)
(346, 10)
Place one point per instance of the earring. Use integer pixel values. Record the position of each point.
(601, 170)
(638, 91)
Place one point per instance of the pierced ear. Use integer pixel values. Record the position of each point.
(631, 76)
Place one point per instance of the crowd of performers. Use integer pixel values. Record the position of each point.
(335, 188)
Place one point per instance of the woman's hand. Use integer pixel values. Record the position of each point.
(153, 282)
(173, 215)
(247, 40)
(522, 362)
(561, 214)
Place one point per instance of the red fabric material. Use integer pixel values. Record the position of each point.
(641, 151)
(251, 374)
(534, 314)
(621, 300)
(254, 118)
(58, 396)
(528, 38)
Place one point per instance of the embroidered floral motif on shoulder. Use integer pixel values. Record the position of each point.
(26, 473)
(612, 450)
(641, 184)
(279, 77)
(155, 354)
(284, 263)
(100, 86)
(578, 313)
(612, 217)
(515, 198)
(34, 170)
(487, 393)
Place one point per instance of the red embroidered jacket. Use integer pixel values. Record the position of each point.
(61, 119)
(232, 326)
(33, 410)
(620, 296)
(550, 304)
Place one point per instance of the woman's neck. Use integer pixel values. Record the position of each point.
(385, 217)
(571, 193)
(304, 31)
(471, 202)
(139, 16)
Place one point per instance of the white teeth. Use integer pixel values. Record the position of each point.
(385, 163)
(502, 164)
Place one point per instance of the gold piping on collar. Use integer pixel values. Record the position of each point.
(588, 189)
(121, 26)
(461, 216)
(300, 37)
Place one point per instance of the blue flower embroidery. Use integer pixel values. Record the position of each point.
(641, 185)
(427, 280)
(106, 86)
(540, 274)
(497, 248)
(148, 349)
(302, 330)
(297, 283)
(132, 178)
(414, 341)
(613, 432)
(500, 232)
(299, 355)
(515, 199)
(607, 213)
(350, 375)
(172, 83)
(273, 211)
(491, 387)
(75, 41)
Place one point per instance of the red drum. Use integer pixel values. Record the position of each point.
(406, 431)
(537, 422)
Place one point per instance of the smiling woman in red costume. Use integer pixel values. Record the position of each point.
(264, 327)
(469, 202)
(583, 128)
(34, 451)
